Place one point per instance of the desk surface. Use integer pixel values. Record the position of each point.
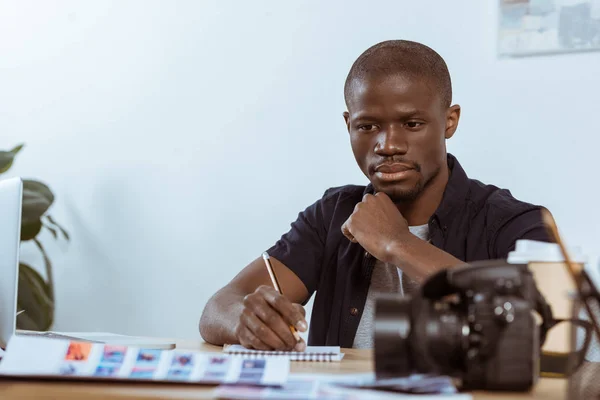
(354, 361)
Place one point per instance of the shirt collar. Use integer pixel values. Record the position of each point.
(456, 192)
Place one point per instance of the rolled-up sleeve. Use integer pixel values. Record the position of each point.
(526, 225)
(301, 249)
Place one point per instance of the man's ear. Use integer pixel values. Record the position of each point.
(452, 117)
(347, 119)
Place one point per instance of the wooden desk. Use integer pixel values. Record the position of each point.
(354, 361)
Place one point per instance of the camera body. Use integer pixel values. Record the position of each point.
(474, 323)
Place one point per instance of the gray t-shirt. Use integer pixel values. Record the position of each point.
(386, 278)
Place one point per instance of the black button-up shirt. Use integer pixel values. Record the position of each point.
(473, 222)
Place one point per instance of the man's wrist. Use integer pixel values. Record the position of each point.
(397, 249)
(418, 258)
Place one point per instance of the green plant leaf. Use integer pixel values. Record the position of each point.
(40, 188)
(33, 297)
(17, 148)
(27, 322)
(35, 204)
(48, 264)
(7, 158)
(52, 230)
(30, 230)
(64, 232)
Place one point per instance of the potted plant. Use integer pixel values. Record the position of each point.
(35, 294)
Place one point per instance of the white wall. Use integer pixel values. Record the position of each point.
(182, 138)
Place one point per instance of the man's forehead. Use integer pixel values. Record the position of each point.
(380, 90)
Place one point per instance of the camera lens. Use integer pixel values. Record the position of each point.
(392, 329)
(440, 335)
(416, 335)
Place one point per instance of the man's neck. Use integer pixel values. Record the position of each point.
(418, 211)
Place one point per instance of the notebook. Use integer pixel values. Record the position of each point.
(31, 357)
(312, 353)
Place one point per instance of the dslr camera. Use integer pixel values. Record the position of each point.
(474, 323)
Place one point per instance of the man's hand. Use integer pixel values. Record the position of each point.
(266, 319)
(377, 225)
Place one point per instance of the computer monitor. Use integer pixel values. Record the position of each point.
(11, 203)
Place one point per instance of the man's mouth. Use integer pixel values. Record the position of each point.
(393, 172)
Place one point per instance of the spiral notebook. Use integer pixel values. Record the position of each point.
(312, 353)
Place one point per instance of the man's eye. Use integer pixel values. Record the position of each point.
(366, 128)
(414, 124)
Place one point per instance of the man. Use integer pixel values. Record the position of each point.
(419, 214)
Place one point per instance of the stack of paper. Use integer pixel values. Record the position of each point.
(416, 383)
(345, 387)
(38, 357)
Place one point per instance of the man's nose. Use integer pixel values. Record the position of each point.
(391, 141)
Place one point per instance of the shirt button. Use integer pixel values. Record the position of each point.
(354, 311)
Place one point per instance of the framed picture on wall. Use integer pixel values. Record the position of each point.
(531, 27)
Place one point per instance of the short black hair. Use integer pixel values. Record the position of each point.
(404, 58)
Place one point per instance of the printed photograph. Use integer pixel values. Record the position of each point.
(213, 376)
(106, 370)
(252, 371)
(216, 370)
(114, 354)
(293, 389)
(218, 364)
(182, 360)
(142, 372)
(179, 374)
(253, 364)
(529, 27)
(218, 360)
(78, 351)
(148, 357)
(67, 369)
(250, 377)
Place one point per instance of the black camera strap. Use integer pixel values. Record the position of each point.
(545, 311)
(561, 365)
(556, 364)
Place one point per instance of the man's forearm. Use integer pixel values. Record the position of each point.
(420, 259)
(220, 318)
